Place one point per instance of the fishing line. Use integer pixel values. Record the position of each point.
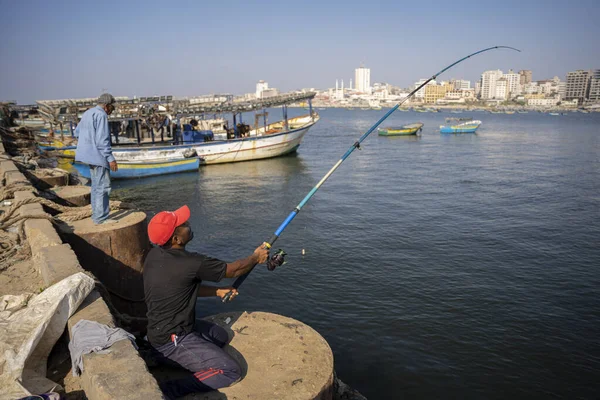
(277, 259)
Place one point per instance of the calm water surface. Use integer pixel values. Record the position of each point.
(438, 266)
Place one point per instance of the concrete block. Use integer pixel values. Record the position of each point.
(7, 166)
(24, 194)
(32, 210)
(41, 233)
(14, 176)
(77, 195)
(93, 308)
(51, 177)
(56, 263)
(120, 374)
(293, 358)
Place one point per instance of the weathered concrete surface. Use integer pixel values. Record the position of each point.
(56, 263)
(78, 195)
(40, 233)
(52, 177)
(14, 176)
(115, 254)
(7, 166)
(282, 358)
(30, 210)
(120, 374)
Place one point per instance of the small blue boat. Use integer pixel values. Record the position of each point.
(460, 125)
(141, 169)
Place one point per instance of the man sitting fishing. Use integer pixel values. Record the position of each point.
(172, 282)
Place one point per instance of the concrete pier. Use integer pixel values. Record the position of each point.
(120, 374)
(282, 358)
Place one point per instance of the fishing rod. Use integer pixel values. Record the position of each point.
(277, 259)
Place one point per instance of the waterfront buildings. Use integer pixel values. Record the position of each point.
(362, 79)
(513, 83)
(421, 92)
(460, 84)
(263, 90)
(543, 102)
(501, 89)
(488, 83)
(578, 85)
(435, 92)
(594, 93)
(524, 76)
(260, 86)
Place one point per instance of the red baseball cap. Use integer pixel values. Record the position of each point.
(163, 224)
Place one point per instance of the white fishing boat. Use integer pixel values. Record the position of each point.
(190, 135)
(265, 142)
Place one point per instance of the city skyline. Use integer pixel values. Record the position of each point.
(78, 50)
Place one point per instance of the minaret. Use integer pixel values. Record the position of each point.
(350, 87)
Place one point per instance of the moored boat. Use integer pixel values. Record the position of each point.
(460, 125)
(272, 140)
(404, 130)
(240, 143)
(145, 168)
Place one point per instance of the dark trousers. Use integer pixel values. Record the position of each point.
(201, 353)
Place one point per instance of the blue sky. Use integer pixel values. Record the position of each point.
(52, 49)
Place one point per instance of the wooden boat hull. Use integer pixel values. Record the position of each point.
(469, 127)
(401, 131)
(131, 170)
(250, 148)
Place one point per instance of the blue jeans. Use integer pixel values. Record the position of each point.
(200, 352)
(100, 193)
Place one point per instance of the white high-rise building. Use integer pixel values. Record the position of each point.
(501, 89)
(362, 79)
(513, 82)
(488, 83)
(260, 87)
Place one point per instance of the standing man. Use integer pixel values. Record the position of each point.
(93, 148)
(172, 283)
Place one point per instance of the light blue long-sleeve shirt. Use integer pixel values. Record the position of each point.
(93, 138)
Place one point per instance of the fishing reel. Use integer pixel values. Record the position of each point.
(276, 260)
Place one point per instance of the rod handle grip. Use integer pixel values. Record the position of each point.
(242, 278)
(227, 297)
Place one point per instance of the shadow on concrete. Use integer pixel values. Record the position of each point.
(121, 279)
(59, 369)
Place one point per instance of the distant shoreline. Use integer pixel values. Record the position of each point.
(461, 108)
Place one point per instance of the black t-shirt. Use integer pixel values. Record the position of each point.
(171, 281)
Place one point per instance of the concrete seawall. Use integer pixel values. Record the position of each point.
(282, 358)
(121, 374)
